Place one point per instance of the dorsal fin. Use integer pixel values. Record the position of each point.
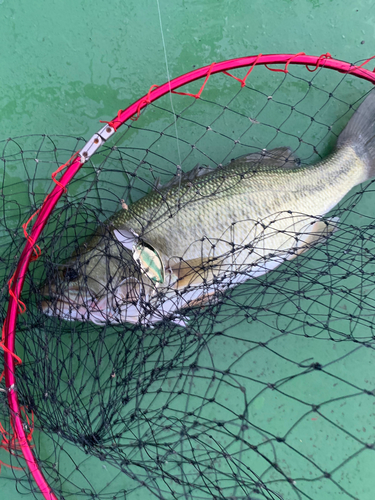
(198, 171)
(194, 272)
(278, 157)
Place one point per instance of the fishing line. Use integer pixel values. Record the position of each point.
(169, 81)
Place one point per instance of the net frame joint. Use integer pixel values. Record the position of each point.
(96, 141)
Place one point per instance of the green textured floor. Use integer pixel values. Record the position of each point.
(67, 64)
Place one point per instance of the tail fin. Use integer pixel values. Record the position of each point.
(360, 133)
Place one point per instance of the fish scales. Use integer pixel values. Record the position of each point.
(242, 194)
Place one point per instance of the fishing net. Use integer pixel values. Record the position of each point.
(266, 390)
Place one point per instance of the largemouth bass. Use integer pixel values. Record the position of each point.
(183, 244)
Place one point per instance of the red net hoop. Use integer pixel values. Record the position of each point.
(31, 251)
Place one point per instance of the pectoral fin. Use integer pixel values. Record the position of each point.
(319, 233)
(206, 298)
(195, 272)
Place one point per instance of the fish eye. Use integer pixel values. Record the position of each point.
(70, 274)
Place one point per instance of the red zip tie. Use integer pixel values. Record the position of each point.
(10, 442)
(363, 64)
(5, 445)
(243, 81)
(144, 101)
(36, 248)
(4, 433)
(285, 70)
(2, 343)
(59, 170)
(7, 465)
(21, 305)
(318, 63)
(17, 358)
(117, 122)
(22, 309)
(197, 96)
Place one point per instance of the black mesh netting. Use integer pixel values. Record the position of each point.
(268, 391)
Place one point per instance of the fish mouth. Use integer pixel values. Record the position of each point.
(106, 309)
(130, 301)
(71, 295)
(64, 309)
(75, 308)
(67, 303)
(79, 304)
(94, 311)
